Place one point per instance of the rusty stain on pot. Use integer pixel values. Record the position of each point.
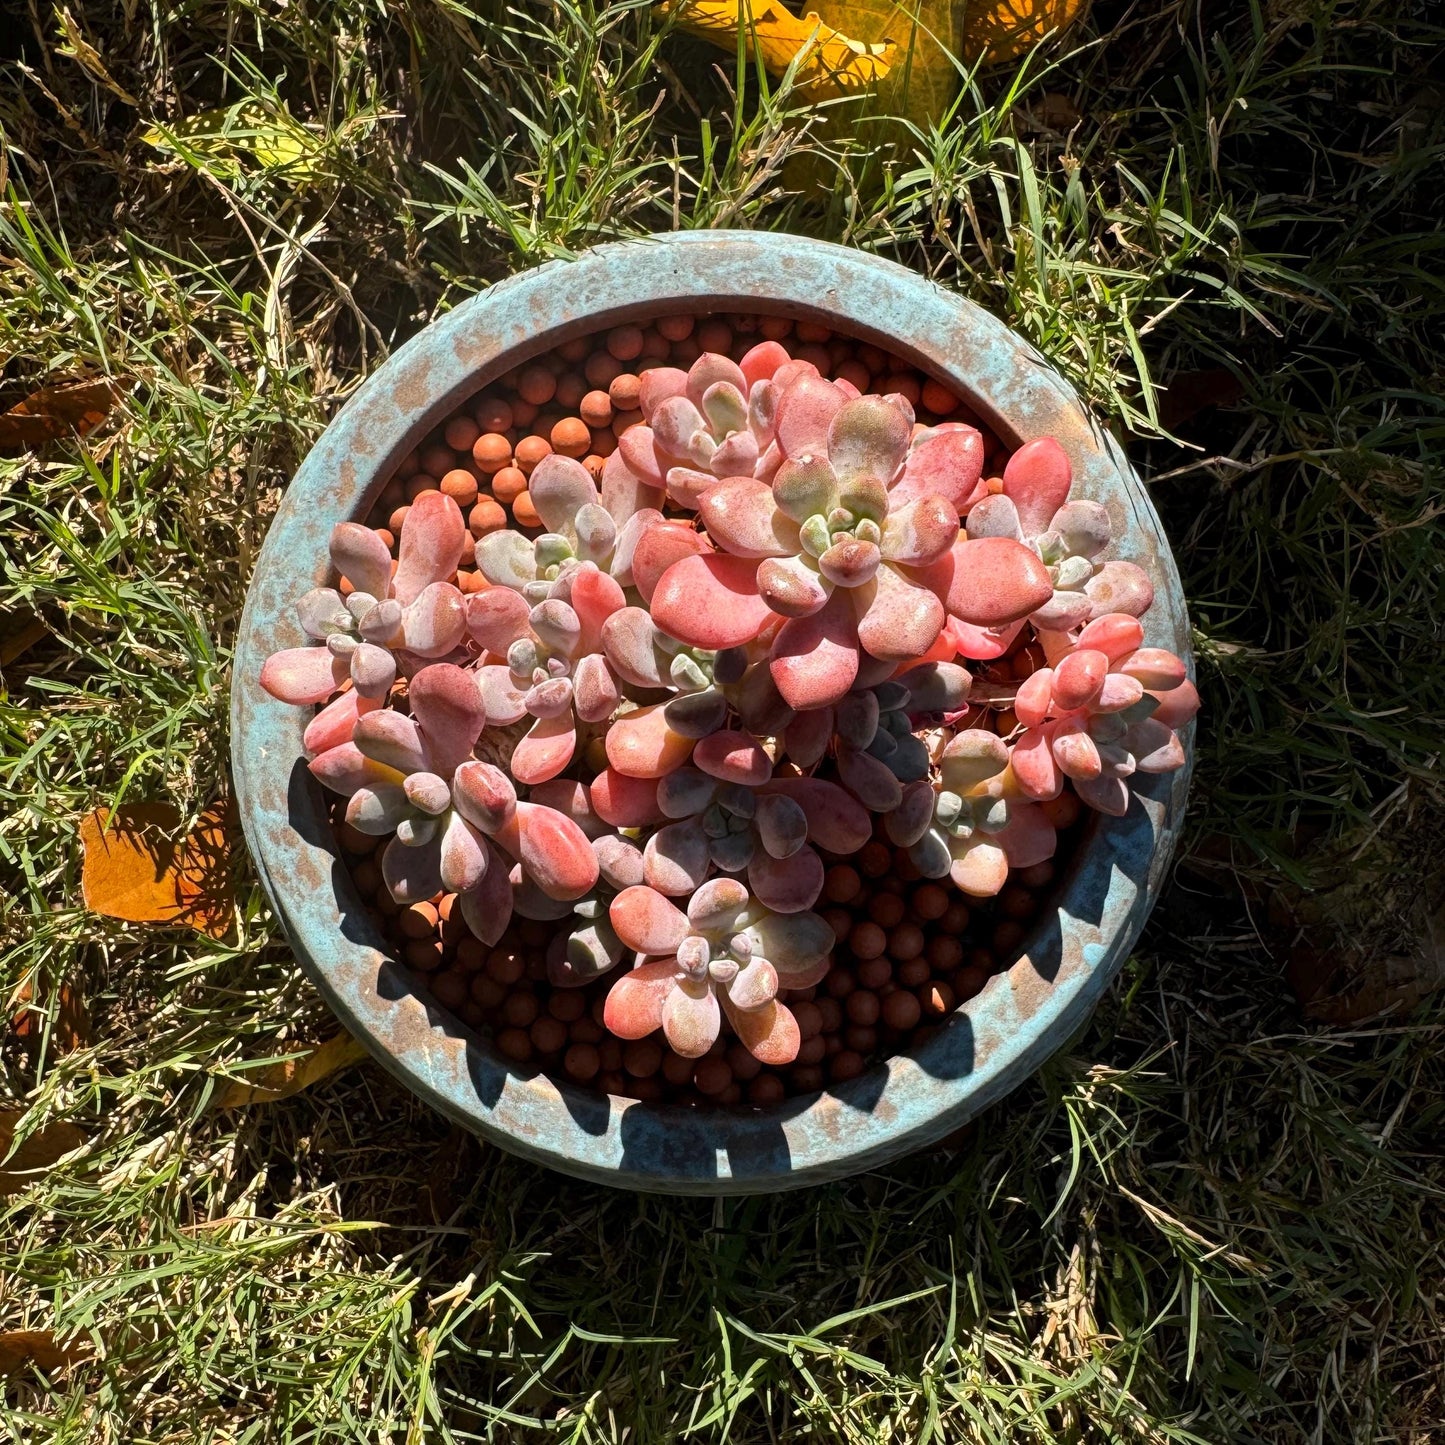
(993, 1042)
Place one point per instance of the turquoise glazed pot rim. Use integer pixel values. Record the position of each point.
(989, 1045)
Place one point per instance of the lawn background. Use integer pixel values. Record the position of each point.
(1209, 1218)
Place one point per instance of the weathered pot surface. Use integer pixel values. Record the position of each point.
(993, 1042)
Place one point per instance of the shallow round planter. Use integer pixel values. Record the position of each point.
(992, 1043)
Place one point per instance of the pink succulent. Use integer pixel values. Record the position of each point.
(973, 826)
(417, 613)
(726, 954)
(1031, 505)
(414, 777)
(1107, 708)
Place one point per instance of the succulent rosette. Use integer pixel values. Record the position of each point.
(727, 955)
(1031, 505)
(974, 823)
(415, 612)
(1106, 709)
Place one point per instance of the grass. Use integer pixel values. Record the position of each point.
(1206, 1220)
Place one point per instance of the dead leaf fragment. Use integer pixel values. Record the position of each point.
(1006, 29)
(136, 869)
(56, 411)
(22, 1350)
(70, 1028)
(36, 1154)
(290, 1076)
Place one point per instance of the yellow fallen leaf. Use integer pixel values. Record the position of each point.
(1004, 29)
(36, 1154)
(290, 1076)
(21, 1350)
(219, 139)
(830, 62)
(134, 867)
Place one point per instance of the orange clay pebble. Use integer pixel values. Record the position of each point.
(622, 420)
(774, 328)
(487, 516)
(625, 342)
(529, 451)
(491, 452)
(491, 413)
(601, 367)
(604, 442)
(655, 346)
(571, 437)
(468, 582)
(524, 413)
(537, 385)
(571, 388)
(574, 350)
(596, 409)
(684, 353)
(818, 355)
(871, 357)
(813, 331)
(675, 328)
(937, 398)
(715, 335)
(508, 485)
(397, 521)
(437, 459)
(422, 482)
(855, 372)
(523, 512)
(460, 486)
(904, 384)
(461, 432)
(595, 465)
(624, 392)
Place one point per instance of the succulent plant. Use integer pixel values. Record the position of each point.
(1105, 710)
(974, 825)
(416, 611)
(727, 954)
(1032, 506)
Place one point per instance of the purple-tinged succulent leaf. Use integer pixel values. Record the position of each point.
(919, 532)
(947, 463)
(806, 486)
(647, 922)
(484, 796)
(1104, 794)
(447, 706)
(412, 875)
(680, 432)
(733, 757)
(619, 861)
(1158, 669)
(869, 780)
(497, 617)
(741, 516)
(546, 749)
(595, 691)
(712, 369)
(560, 487)
(1177, 706)
(995, 581)
(638, 447)
(321, 612)
(805, 412)
(434, 624)
(1078, 678)
(487, 906)
(346, 768)
(503, 701)
(1076, 753)
(717, 906)
(868, 438)
(710, 601)
(360, 556)
(901, 620)
(1083, 527)
(814, 659)
(851, 563)
(798, 945)
(392, 738)
(786, 885)
(836, 820)
(640, 744)
(373, 670)
(691, 1018)
(629, 640)
(972, 757)
(760, 706)
(675, 860)
(552, 849)
(1120, 587)
(937, 687)
(463, 855)
(303, 674)
(782, 825)
(336, 722)
(1034, 766)
(1028, 837)
(378, 810)
(979, 867)
(659, 383)
(995, 516)
(792, 586)
(685, 792)
(1156, 748)
(1037, 478)
(432, 540)
(625, 493)
(625, 802)
(770, 1034)
(428, 792)
(635, 1002)
(806, 738)
(911, 819)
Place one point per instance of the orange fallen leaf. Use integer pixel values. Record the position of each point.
(69, 1029)
(290, 1076)
(36, 1154)
(135, 868)
(57, 411)
(20, 1350)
